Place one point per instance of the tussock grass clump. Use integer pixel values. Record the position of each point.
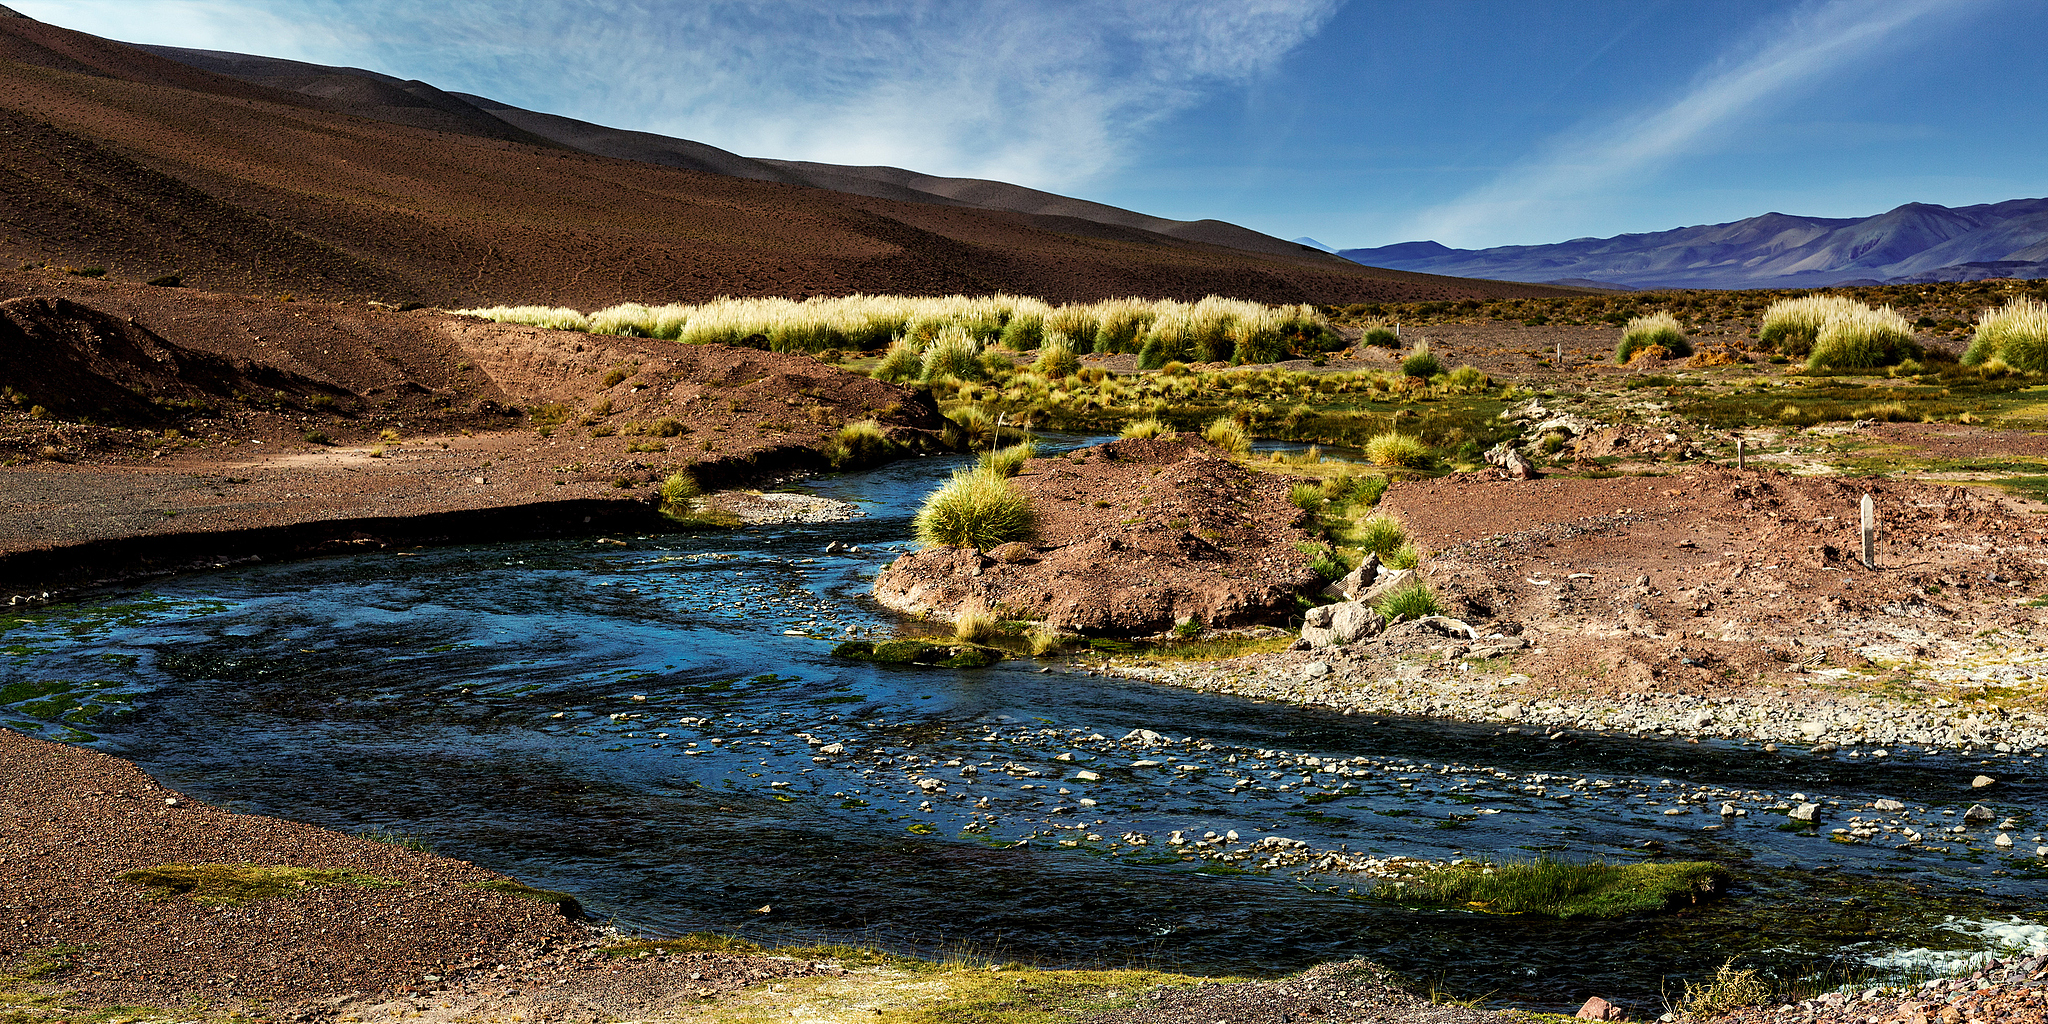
(1563, 889)
(1792, 325)
(1858, 337)
(2015, 334)
(1659, 328)
(1381, 535)
(560, 318)
(903, 361)
(679, 495)
(1008, 462)
(1407, 556)
(977, 626)
(1729, 989)
(951, 354)
(1467, 379)
(1228, 434)
(224, 884)
(1398, 451)
(860, 443)
(1056, 358)
(1421, 362)
(976, 509)
(1150, 426)
(1413, 601)
(1380, 333)
(1307, 497)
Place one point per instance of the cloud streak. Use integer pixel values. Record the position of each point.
(1795, 52)
(1045, 94)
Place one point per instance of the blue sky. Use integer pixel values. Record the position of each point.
(1359, 123)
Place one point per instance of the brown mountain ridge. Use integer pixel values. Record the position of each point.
(120, 159)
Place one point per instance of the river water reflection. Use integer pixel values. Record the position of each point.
(655, 725)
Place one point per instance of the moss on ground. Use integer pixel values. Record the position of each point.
(1561, 889)
(561, 901)
(920, 653)
(225, 884)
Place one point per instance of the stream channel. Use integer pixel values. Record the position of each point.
(648, 723)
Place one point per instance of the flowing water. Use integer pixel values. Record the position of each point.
(656, 725)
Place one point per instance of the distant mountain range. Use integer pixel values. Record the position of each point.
(1914, 243)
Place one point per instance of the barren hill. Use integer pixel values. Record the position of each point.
(116, 158)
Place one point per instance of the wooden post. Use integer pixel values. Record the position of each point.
(1741, 458)
(1560, 354)
(1869, 533)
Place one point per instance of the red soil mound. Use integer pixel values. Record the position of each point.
(1133, 537)
(254, 190)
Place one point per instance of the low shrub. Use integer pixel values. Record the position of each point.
(1380, 334)
(1008, 462)
(976, 509)
(1150, 426)
(1397, 450)
(1467, 379)
(1421, 362)
(1660, 329)
(1728, 990)
(2015, 334)
(1413, 600)
(1860, 337)
(1228, 434)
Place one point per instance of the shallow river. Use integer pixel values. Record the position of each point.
(650, 724)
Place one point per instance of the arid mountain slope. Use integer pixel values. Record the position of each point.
(1916, 242)
(250, 189)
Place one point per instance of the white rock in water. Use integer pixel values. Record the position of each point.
(2003, 841)
(1728, 810)
(1804, 812)
(1144, 737)
(1086, 776)
(832, 748)
(1978, 812)
(1888, 805)
(1982, 781)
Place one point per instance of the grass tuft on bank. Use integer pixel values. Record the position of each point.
(1562, 889)
(233, 884)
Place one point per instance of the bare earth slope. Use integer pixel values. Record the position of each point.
(250, 189)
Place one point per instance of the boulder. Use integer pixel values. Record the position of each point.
(1346, 622)
(1978, 812)
(1597, 1008)
(1355, 582)
(1804, 812)
(1318, 637)
(1511, 461)
(1385, 583)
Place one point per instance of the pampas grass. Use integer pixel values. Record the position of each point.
(1150, 426)
(1397, 451)
(1660, 329)
(1792, 325)
(2015, 334)
(1858, 336)
(1227, 434)
(977, 509)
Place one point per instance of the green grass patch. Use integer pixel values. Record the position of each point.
(919, 652)
(1562, 889)
(561, 901)
(231, 884)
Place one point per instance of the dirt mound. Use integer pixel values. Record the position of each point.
(80, 363)
(1725, 578)
(1133, 537)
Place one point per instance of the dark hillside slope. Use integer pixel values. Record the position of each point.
(261, 193)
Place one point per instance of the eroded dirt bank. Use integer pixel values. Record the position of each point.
(144, 429)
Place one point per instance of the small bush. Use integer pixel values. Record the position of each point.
(1227, 434)
(1381, 535)
(1413, 601)
(1380, 334)
(1660, 329)
(1862, 337)
(2015, 334)
(1024, 333)
(1397, 451)
(1008, 462)
(1467, 379)
(952, 354)
(1403, 557)
(1421, 362)
(976, 509)
(1369, 489)
(1150, 426)
(974, 424)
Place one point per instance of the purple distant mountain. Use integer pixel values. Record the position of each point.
(1916, 242)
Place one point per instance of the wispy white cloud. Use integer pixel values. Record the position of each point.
(1042, 93)
(1567, 176)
